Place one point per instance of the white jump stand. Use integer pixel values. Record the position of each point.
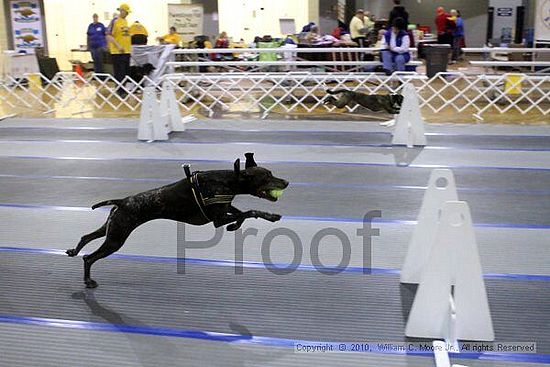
(441, 188)
(441, 355)
(451, 302)
(169, 109)
(151, 126)
(409, 124)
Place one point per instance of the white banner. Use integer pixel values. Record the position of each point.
(542, 21)
(26, 24)
(188, 20)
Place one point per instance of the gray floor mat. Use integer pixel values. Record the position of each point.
(280, 138)
(299, 201)
(370, 307)
(502, 187)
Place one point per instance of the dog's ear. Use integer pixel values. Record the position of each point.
(249, 160)
(237, 166)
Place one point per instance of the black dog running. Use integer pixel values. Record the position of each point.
(374, 102)
(201, 198)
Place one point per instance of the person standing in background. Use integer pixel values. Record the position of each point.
(444, 37)
(368, 22)
(96, 42)
(398, 11)
(120, 45)
(458, 35)
(357, 28)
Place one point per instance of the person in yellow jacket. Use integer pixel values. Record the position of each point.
(139, 33)
(171, 37)
(120, 45)
(357, 28)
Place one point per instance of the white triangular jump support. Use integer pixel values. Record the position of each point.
(441, 188)
(409, 124)
(441, 354)
(169, 108)
(151, 126)
(437, 310)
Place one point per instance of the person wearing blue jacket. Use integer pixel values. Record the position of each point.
(458, 35)
(395, 44)
(97, 43)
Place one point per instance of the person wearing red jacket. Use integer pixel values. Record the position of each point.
(444, 31)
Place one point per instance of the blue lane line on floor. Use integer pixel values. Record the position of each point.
(260, 265)
(289, 217)
(246, 339)
(386, 146)
(413, 222)
(277, 162)
(297, 184)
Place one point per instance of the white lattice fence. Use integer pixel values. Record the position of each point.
(283, 92)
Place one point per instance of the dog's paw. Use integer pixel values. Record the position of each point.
(71, 252)
(273, 217)
(232, 227)
(90, 283)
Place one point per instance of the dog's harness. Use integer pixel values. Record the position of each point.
(200, 199)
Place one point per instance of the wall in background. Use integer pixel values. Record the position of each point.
(246, 19)
(240, 18)
(474, 13)
(3, 27)
(67, 22)
(211, 16)
(380, 8)
(328, 15)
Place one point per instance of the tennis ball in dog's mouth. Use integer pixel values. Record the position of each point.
(276, 193)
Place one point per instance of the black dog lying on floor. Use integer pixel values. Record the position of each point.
(374, 102)
(138, 72)
(201, 198)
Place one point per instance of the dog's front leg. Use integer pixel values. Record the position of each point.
(241, 217)
(329, 100)
(239, 222)
(253, 214)
(267, 216)
(226, 215)
(224, 219)
(238, 217)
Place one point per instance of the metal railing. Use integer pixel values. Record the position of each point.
(291, 59)
(337, 59)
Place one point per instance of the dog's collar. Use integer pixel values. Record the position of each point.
(201, 200)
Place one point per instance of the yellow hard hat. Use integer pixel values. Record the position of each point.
(124, 7)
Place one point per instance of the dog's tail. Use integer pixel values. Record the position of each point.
(337, 91)
(107, 202)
